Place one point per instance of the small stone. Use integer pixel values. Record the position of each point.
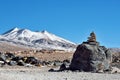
(12, 63)
(62, 67)
(51, 70)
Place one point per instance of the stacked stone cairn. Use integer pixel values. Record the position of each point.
(91, 57)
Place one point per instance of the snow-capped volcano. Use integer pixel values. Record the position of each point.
(39, 40)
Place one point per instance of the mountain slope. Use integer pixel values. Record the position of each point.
(39, 40)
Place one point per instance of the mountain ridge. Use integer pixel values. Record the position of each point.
(39, 40)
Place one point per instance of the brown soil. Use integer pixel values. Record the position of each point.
(48, 55)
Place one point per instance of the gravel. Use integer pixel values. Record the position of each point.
(43, 74)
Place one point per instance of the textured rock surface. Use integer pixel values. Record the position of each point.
(90, 56)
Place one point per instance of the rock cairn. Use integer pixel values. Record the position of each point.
(92, 37)
(91, 57)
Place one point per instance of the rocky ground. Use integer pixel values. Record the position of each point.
(36, 73)
(41, 72)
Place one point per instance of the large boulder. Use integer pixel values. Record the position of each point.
(90, 56)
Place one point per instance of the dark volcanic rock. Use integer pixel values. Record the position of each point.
(12, 60)
(31, 60)
(21, 63)
(10, 55)
(90, 56)
(62, 67)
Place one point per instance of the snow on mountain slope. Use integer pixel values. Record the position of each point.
(38, 40)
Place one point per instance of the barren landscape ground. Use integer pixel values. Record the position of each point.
(35, 73)
(41, 73)
(41, 55)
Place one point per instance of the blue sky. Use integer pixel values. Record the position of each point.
(70, 19)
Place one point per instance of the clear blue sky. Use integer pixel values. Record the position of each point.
(70, 19)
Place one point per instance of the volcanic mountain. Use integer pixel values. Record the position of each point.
(37, 40)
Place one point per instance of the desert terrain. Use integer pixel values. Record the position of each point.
(35, 73)
(41, 72)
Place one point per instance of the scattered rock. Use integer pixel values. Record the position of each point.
(12, 63)
(2, 63)
(10, 55)
(12, 60)
(28, 65)
(62, 67)
(115, 70)
(31, 60)
(21, 63)
(66, 62)
(17, 58)
(51, 70)
(57, 63)
(2, 57)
